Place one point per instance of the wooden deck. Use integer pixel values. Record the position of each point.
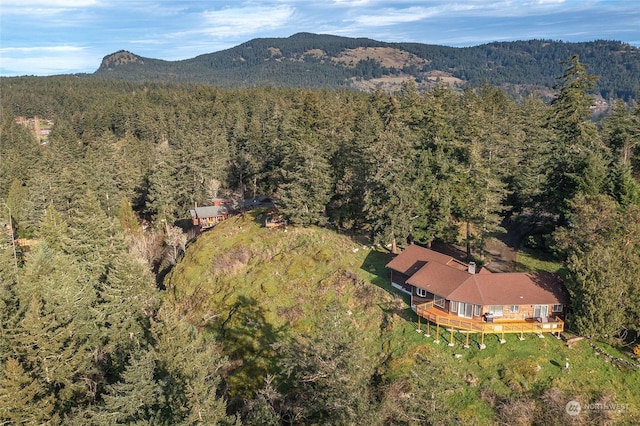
(453, 323)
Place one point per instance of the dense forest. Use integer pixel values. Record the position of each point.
(308, 60)
(94, 217)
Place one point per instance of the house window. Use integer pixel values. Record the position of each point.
(556, 308)
(477, 311)
(454, 306)
(438, 301)
(514, 309)
(421, 292)
(496, 310)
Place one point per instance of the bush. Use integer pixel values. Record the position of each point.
(519, 374)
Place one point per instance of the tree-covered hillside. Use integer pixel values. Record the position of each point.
(111, 312)
(539, 63)
(317, 61)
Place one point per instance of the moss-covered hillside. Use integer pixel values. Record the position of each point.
(260, 292)
(252, 287)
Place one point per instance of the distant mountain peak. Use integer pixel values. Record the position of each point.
(120, 57)
(329, 61)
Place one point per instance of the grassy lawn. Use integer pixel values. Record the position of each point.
(533, 368)
(251, 287)
(533, 260)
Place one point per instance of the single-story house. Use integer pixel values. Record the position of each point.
(455, 289)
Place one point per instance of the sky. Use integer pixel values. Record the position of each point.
(48, 37)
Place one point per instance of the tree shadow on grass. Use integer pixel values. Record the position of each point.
(406, 314)
(259, 215)
(375, 263)
(247, 338)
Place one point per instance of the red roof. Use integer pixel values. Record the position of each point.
(414, 257)
(511, 289)
(447, 277)
(439, 279)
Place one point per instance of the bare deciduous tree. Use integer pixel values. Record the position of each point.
(176, 242)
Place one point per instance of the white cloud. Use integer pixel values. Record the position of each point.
(436, 9)
(350, 3)
(46, 60)
(32, 49)
(50, 4)
(43, 7)
(543, 2)
(246, 20)
(396, 16)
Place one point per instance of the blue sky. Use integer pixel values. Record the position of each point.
(45, 37)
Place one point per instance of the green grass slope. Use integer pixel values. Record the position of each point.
(252, 287)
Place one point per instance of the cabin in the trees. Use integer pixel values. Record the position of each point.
(207, 216)
(451, 293)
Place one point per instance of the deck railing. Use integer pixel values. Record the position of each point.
(426, 310)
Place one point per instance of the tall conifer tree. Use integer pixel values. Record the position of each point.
(575, 135)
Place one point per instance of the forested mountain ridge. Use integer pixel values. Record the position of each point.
(326, 61)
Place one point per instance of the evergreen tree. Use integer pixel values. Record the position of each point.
(437, 165)
(137, 398)
(593, 176)
(305, 190)
(261, 413)
(306, 184)
(44, 192)
(22, 399)
(533, 152)
(190, 368)
(162, 191)
(352, 166)
(127, 300)
(434, 203)
(328, 374)
(19, 151)
(480, 192)
(575, 135)
(54, 230)
(128, 218)
(56, 335)
(8, 303)
(624, 188)
(202, 154)
(428, 398)
(264, 409)
(17, 202)
(390, 199)
(603, 258)
(95, 237)
(621, 131)
(106, 178)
